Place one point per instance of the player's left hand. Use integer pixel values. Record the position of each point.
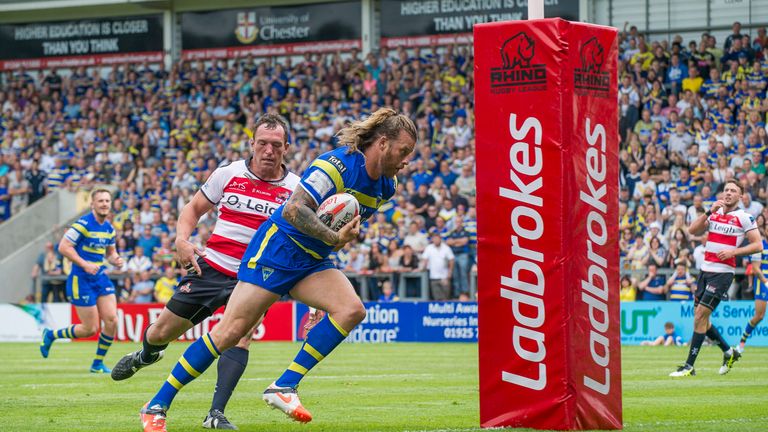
(725, 254)
(314, 317)
(349, 232)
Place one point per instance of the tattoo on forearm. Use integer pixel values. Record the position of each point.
(299, 212)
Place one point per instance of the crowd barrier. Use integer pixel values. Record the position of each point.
(408, 285)
(407, 321)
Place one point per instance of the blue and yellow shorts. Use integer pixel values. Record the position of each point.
(276, 263)
(85, 289)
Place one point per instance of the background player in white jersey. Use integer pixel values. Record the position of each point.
(726, 226)
(246, 192)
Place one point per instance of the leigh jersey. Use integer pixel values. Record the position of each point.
(726, 232)
(244, 202)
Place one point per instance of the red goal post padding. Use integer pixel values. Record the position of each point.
(547, 205)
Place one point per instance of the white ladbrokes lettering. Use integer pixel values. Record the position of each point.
(528, 225)
(596, 286)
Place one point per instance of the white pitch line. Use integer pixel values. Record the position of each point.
(686, 422)
(336, 377)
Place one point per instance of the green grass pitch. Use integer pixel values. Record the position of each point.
(387, 387)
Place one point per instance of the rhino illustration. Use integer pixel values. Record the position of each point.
(517, 51)
(592, 56)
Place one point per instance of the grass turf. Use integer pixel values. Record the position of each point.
(385, 387)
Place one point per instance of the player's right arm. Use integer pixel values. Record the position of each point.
(300, 211)
(188, 219)
(67, 249)
(700, 225)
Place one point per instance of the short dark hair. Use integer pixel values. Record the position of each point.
(736, 183)
(272, 121)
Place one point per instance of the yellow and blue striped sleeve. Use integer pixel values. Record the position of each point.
(322, 180)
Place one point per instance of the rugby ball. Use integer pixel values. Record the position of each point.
(338, 210)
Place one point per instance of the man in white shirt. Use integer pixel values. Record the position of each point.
(680, 140)
(438, 259)
(752, 207)
(415, 238)
(645, 185)
(139, 262)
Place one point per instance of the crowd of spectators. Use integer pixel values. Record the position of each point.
(156, 135)
(691, 117)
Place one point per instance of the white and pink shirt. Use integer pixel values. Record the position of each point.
(726, 232)
(244, 202)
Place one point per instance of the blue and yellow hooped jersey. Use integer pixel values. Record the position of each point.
(91, 240)
(760, 259)
(335, 172)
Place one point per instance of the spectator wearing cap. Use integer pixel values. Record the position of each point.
(654, 231)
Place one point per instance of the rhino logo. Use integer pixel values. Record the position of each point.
(517, 51)
(592, 56)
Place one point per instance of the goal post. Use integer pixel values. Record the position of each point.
(547, 206)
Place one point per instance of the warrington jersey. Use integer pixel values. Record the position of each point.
(335, 172)
(244, 202)
(91, 240)
(726, 232)
(760, 264)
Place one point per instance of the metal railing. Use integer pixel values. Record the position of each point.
(409, 285)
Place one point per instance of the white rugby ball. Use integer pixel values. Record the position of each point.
(338, 210)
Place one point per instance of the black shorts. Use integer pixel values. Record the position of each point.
(198, 296)
(711, 288)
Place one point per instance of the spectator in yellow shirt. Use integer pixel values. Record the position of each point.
(644, 57)
(693, 82)
(628, 289)
(166, 285)
(454, 82)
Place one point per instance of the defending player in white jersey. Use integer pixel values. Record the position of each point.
(727, 226)
(246, 193)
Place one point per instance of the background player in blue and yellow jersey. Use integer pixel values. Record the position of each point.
(760, 284)
(289, 254)
(87, 243)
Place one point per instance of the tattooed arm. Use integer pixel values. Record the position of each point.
(300, 210)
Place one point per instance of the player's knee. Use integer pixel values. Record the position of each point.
(759, 315)
(88, 330)
(357, 313)
(159, 335)
(226, 338)
(701, 314)
(110, 321)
